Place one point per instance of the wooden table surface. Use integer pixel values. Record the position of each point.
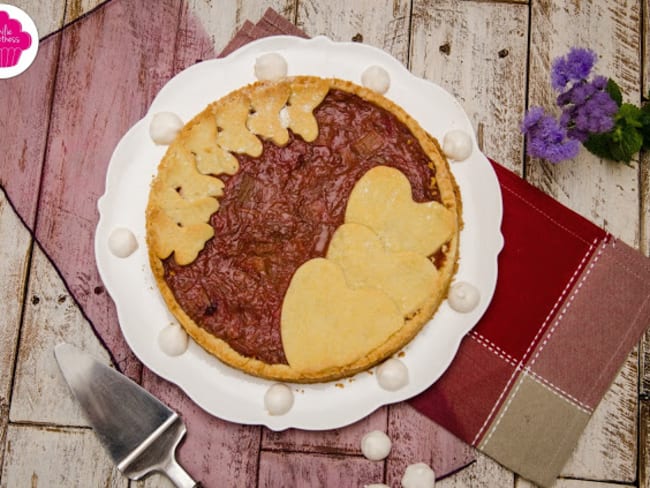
(494, 56)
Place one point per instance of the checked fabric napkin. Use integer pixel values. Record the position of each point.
(570, 304)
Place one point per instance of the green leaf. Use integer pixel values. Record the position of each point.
(599, 145)
(645, 125)
(614, 91)
(619, 144)
(629, 115)
(629, 145)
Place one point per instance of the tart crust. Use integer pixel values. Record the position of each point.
(191, 235)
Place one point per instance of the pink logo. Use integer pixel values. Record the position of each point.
(13, 40)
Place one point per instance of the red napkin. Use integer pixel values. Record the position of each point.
(570, 304)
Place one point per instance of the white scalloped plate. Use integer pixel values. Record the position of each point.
(219, 389)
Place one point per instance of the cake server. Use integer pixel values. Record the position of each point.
(138, 431)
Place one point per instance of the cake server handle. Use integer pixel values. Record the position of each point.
(179, 476)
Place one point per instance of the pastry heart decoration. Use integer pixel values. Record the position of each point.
(382, 200)
(406, 277)
(376, 273)
(319, 310)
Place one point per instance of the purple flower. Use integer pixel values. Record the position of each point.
(575, 66)
(547, 139)
(600, 82)
(578, 94)
(587, 110)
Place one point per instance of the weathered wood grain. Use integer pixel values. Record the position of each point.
(125, 43)
(14, 259)
(40, 394)
(380, 23)
(564, 483)
(644, 349)
(644, 187)
(52, 16)
(24, 129)
(47, 16)
(57, 457)
(416, 439)
(644, 444)
(484, 473)
(607, 449)
(206, 26)
(602, 191)
(477, 51)
(74, 9)
(346, 440)
(282, 470)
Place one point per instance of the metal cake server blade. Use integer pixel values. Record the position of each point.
(138, 431)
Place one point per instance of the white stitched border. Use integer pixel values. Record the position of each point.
(630, 271)
(539, 331)
(492, 347)
(511, 361)
(560, 392)
(569, 302)
(544, 214)
(514, 394)
(498, 421)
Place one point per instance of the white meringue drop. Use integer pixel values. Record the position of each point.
(122, 242)
(375, 445)
(392, 374)
(278, 399)
(376, 78)
(270, 66)
(173, 340)
(463, 297)
(418, 475)
(164, 126)
(457, 145)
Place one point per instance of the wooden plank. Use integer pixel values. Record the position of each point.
(563, 483)
(603, 191)
(92, 110)
(40, 393)
(484, 473)
(24, 128)
(644, 349)
(417, 439)
(51, 16)
(477, 51)
(15, 244)
(206, 26)
(644, 444)
(74, 9)
(281, 470)
(47, 16)
(215, 452)
(607, 449)
(52, 456)
(380, 23)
